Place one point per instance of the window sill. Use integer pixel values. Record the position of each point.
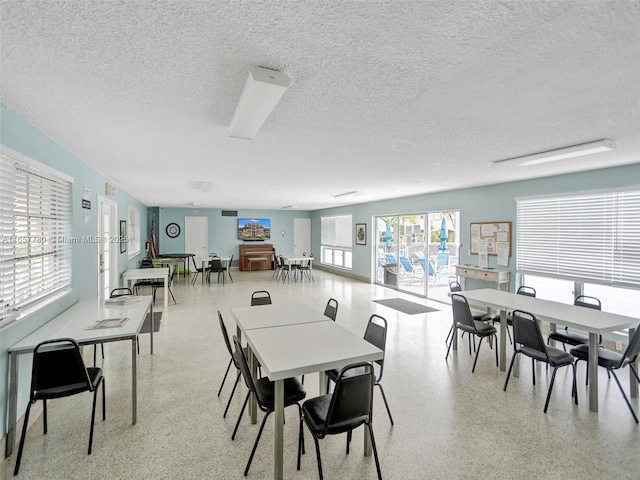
(36, 307)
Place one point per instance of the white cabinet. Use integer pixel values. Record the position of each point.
(493, 275)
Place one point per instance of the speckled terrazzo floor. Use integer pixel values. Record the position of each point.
(449, 423)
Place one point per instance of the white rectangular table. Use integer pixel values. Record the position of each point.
(75, 323)
(148, 274)
(293, 259)
(296, 340)
(595, 322)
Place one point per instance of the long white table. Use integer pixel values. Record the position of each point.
(75, 323)
(595, 322)
(293, 259)
(291, 340)
(148, 274)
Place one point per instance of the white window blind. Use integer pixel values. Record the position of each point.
(133, 231)
(35, 228)
(591, 237)
(337, 231)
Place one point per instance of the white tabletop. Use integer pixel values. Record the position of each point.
(290, 350)
(145, 273)
(76, 321)
(296, 258)
(264, 316)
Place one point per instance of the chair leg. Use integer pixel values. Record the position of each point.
(384, 397)
(450, 342)
(318, 457)
(225, 376)
(93, 418)
(615, 377)
(44, 417)
(244, 405)
(255, 445)
(375, 451)
(349, 435)
(575, 385)
(477, 352)
(506, 382)
(553, 378)
(533, 370)
(24, 434)
(497, 364)
(235, 385)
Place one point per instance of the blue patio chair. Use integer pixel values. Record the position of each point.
(408, 269)
(390, 258)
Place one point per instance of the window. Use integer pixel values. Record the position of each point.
(133, 231)
(592, 237)
(336, 239)
(35, 228)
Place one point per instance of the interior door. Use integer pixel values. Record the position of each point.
(301, 236)
(107, 248)
(196, 238)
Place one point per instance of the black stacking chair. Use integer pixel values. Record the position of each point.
(614, 361)
(198, 270)
(227, 269)
(347, 408)
(146, 262)
(260, 297)
(331, 310)
(215, 266)
(286, 269)
(304, 268)
(156, 284)
(463, 320)
(59, 371)
(375, 334)
(262, 390)
(455, 287)
(528, 340)
(232, 360)
(570, 337)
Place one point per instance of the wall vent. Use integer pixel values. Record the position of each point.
(229, 213)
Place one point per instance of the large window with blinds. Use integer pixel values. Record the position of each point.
(591, 237)
(133, 231)
(336, 240)
(35, 234)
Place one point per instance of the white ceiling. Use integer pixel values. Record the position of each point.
(389, 98)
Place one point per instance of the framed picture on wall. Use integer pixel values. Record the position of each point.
(123, 236)
(361, 233)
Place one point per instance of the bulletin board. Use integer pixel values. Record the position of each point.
(496, 235)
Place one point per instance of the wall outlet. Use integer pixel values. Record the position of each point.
(619, 346)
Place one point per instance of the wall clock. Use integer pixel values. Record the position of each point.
(173, 230)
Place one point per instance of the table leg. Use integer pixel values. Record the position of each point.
(13, 403)
(278, 434)
(552, 328)
(153, 324)
(633, 383)
(166, 290)
(134, 381)
(593, 372)
(503, 341)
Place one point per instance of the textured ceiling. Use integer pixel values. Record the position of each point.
(389, 98)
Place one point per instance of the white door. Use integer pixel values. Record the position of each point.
(301, 236)
(108, 248)
(196, 238)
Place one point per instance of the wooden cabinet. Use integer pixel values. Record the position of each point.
(257, 257)
(493, 275)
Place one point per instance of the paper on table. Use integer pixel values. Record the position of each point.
(109, 323)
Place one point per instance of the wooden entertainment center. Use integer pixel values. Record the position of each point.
(257, 257)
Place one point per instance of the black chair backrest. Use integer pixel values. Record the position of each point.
(215, 265)
(260, 297)
(243, 364)
(633, 349)
(526, 331)
(146, 263)
(58, 370)
(352, 398)
(225, 335)
(120, 292)
(528, 291)
(588, 302)
(331, 310)
(376, 334)
(462, 311)
(455, 287)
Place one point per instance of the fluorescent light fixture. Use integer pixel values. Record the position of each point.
(558, 154)
(346, 194)
(262, 92)
(287, 207)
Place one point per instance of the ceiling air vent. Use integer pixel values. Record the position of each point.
(229, 213)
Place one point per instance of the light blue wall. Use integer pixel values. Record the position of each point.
(22, 137)
(490, 203)
(223, 231)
